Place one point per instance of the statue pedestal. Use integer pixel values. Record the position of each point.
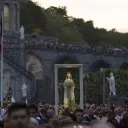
(113, 100)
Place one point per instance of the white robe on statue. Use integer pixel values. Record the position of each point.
(112, 84)
(24, 90)
(69, 92)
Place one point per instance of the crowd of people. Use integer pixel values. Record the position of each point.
(22, 115)
(50, 43)
(32, 41)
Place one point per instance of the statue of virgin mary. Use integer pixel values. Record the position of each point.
(69, 87)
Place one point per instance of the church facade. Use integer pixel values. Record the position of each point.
(15, 74)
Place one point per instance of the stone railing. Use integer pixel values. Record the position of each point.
(50, 43)
(74, 48)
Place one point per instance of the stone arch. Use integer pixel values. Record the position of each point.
(15, 17)
(34, 65)
(6, 17)
(124, 66)
(99, 64)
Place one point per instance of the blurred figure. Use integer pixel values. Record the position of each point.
(42, 116)
(91, 116)
(50, 114)
(124, 121)
(112, 120)
(33, 123)
(6, 123)
(18, 115)
(67, 122)
(101, 125)
(79, 116)
(33, 110)
(118, 116)
(55, 123)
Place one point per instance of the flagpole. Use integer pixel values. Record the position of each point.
(2, 60)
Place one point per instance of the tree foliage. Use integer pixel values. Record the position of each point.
(55, 22)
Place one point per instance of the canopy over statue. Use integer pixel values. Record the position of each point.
(69, 86)
(111, 80)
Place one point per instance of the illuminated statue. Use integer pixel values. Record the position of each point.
(112, 88)
(24, 90)
(69, 87)
(22, 32)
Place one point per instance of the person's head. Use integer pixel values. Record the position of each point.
(112, 115)
(50, 113)
(44, 112)
(18, 115)
(66, 122)
(90, 112)
(33, 123)
(79, 115)
(125, 115)
(33, 110)
(55, 123)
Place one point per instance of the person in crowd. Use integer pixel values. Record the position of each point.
(50, 114)
(112, 120)
(79, 116)
(6, 123)
(33, 110)
(55, 123)
(19, 115)
(33, 123)
(124, 121)
(67, 122)
(91, 115)
(42, 116)
(118, 115)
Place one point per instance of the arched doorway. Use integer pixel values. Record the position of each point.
(99, 64)
(124, 66)
(35, 67)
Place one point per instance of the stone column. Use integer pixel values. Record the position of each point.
(81, 87)
(48, 72)
(22, 52)
(48, 91)
(11, 17)
(18, 16)
(56, 90)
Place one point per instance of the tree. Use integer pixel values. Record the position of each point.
(54, 21)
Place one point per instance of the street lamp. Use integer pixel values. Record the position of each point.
(104, 93)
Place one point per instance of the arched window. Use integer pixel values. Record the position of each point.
(6, 17)
(34, 66)
(15, 17)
